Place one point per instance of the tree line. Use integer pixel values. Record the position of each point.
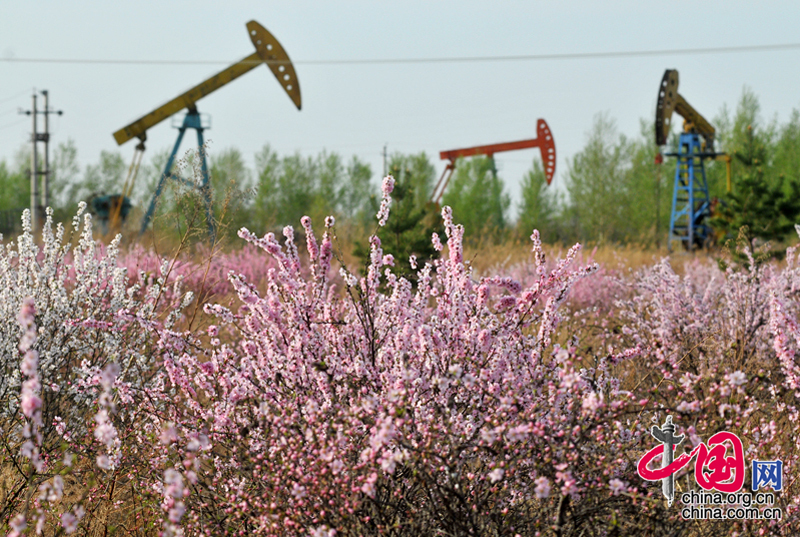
(612, 190)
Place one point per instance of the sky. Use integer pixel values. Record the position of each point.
(356, 109)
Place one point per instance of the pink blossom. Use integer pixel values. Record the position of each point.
(169, 434)
(70, 522)
(322, 531)
(18, 524)
(737, 378)
(386, 200)
(176, 512)
(30, 402)
(388, 185)
(617, 486)
(368, 487)
(103, 462)
(542, 487)
(592, 401)
(496, 475)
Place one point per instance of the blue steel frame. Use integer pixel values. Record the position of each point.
(691, 204)
(191, 121)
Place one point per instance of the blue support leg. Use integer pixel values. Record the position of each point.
(191, 121)
(163, 179)
(690, 207)
(690, 197)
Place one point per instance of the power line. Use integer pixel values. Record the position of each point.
(455, 59)
(6, 99)
(13, 123)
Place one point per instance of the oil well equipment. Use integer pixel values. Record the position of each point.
(544, 141)
(267, 51)
(691, 204)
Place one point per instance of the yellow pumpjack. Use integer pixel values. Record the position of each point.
(268, 51)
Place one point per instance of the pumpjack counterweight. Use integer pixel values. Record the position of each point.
(268, 51)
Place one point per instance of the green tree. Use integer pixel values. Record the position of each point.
(647, 190)
(734, 132)
(293, 186)
(758, 205)
(286, 188)
(417, 173)
(357, 202)
(14, 188)
(105, 177)
(413, 219)
(539, 207)
(476, 195)
(596, 184)
(786, 156)
(66, 172)
(14, 197)
(231, 183)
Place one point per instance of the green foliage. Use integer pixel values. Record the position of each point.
(293, 186)
(539, 207)
(734, 134)
(231, 184)
(648, 192)
(611, 191)
(759, 206)
(476, 195)
(594, 185)
(786, 152)
(105, 177)
(413, 218)
(14, 188)
(66, 172)
(356, 199)
(416, 173)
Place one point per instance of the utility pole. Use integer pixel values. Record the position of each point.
(38, 206)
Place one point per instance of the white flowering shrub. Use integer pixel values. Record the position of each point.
(73, 357)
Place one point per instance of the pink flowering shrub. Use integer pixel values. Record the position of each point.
(441, 409)
(597, 294)
(203, 272)
(332, 404)
(720, 353)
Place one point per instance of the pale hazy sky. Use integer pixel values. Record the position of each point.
(355, 109)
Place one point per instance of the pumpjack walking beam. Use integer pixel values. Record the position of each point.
(544, 141)
(268, 51)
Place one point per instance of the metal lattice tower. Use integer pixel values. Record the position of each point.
(691, 204)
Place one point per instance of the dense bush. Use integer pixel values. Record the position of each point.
(333, 404)
(75, 365)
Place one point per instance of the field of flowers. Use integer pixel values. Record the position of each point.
(277, 391)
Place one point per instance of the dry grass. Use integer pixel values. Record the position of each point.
(486, 258)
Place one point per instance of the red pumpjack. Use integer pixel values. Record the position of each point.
(544, 141)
